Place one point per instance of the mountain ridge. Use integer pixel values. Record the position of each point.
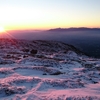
(40, 45)
(73, 29)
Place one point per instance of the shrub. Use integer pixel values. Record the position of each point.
(33, 51)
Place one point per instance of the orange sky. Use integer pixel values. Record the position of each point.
(46, 14)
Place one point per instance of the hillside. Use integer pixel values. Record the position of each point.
(47, 70)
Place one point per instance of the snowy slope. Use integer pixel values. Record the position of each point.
(46, 70)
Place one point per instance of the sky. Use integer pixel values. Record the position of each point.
(47, 14)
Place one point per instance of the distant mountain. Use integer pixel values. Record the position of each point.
(73, 29)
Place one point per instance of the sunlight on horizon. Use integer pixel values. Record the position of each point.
(2, 30)
(43, 14)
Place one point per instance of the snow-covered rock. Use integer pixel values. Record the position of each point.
(57, 71)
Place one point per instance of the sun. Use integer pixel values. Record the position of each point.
(2, 30)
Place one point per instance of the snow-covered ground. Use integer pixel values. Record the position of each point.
(55, 72)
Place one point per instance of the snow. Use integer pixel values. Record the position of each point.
(51, 74)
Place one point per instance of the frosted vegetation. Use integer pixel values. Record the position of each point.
(47, 70)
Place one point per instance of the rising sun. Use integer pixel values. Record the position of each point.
(1, 29)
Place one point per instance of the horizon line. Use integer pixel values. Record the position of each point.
(50, 28)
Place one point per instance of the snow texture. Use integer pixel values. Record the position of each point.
(53, 71)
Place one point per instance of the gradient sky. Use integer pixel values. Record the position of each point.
(46, 14)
